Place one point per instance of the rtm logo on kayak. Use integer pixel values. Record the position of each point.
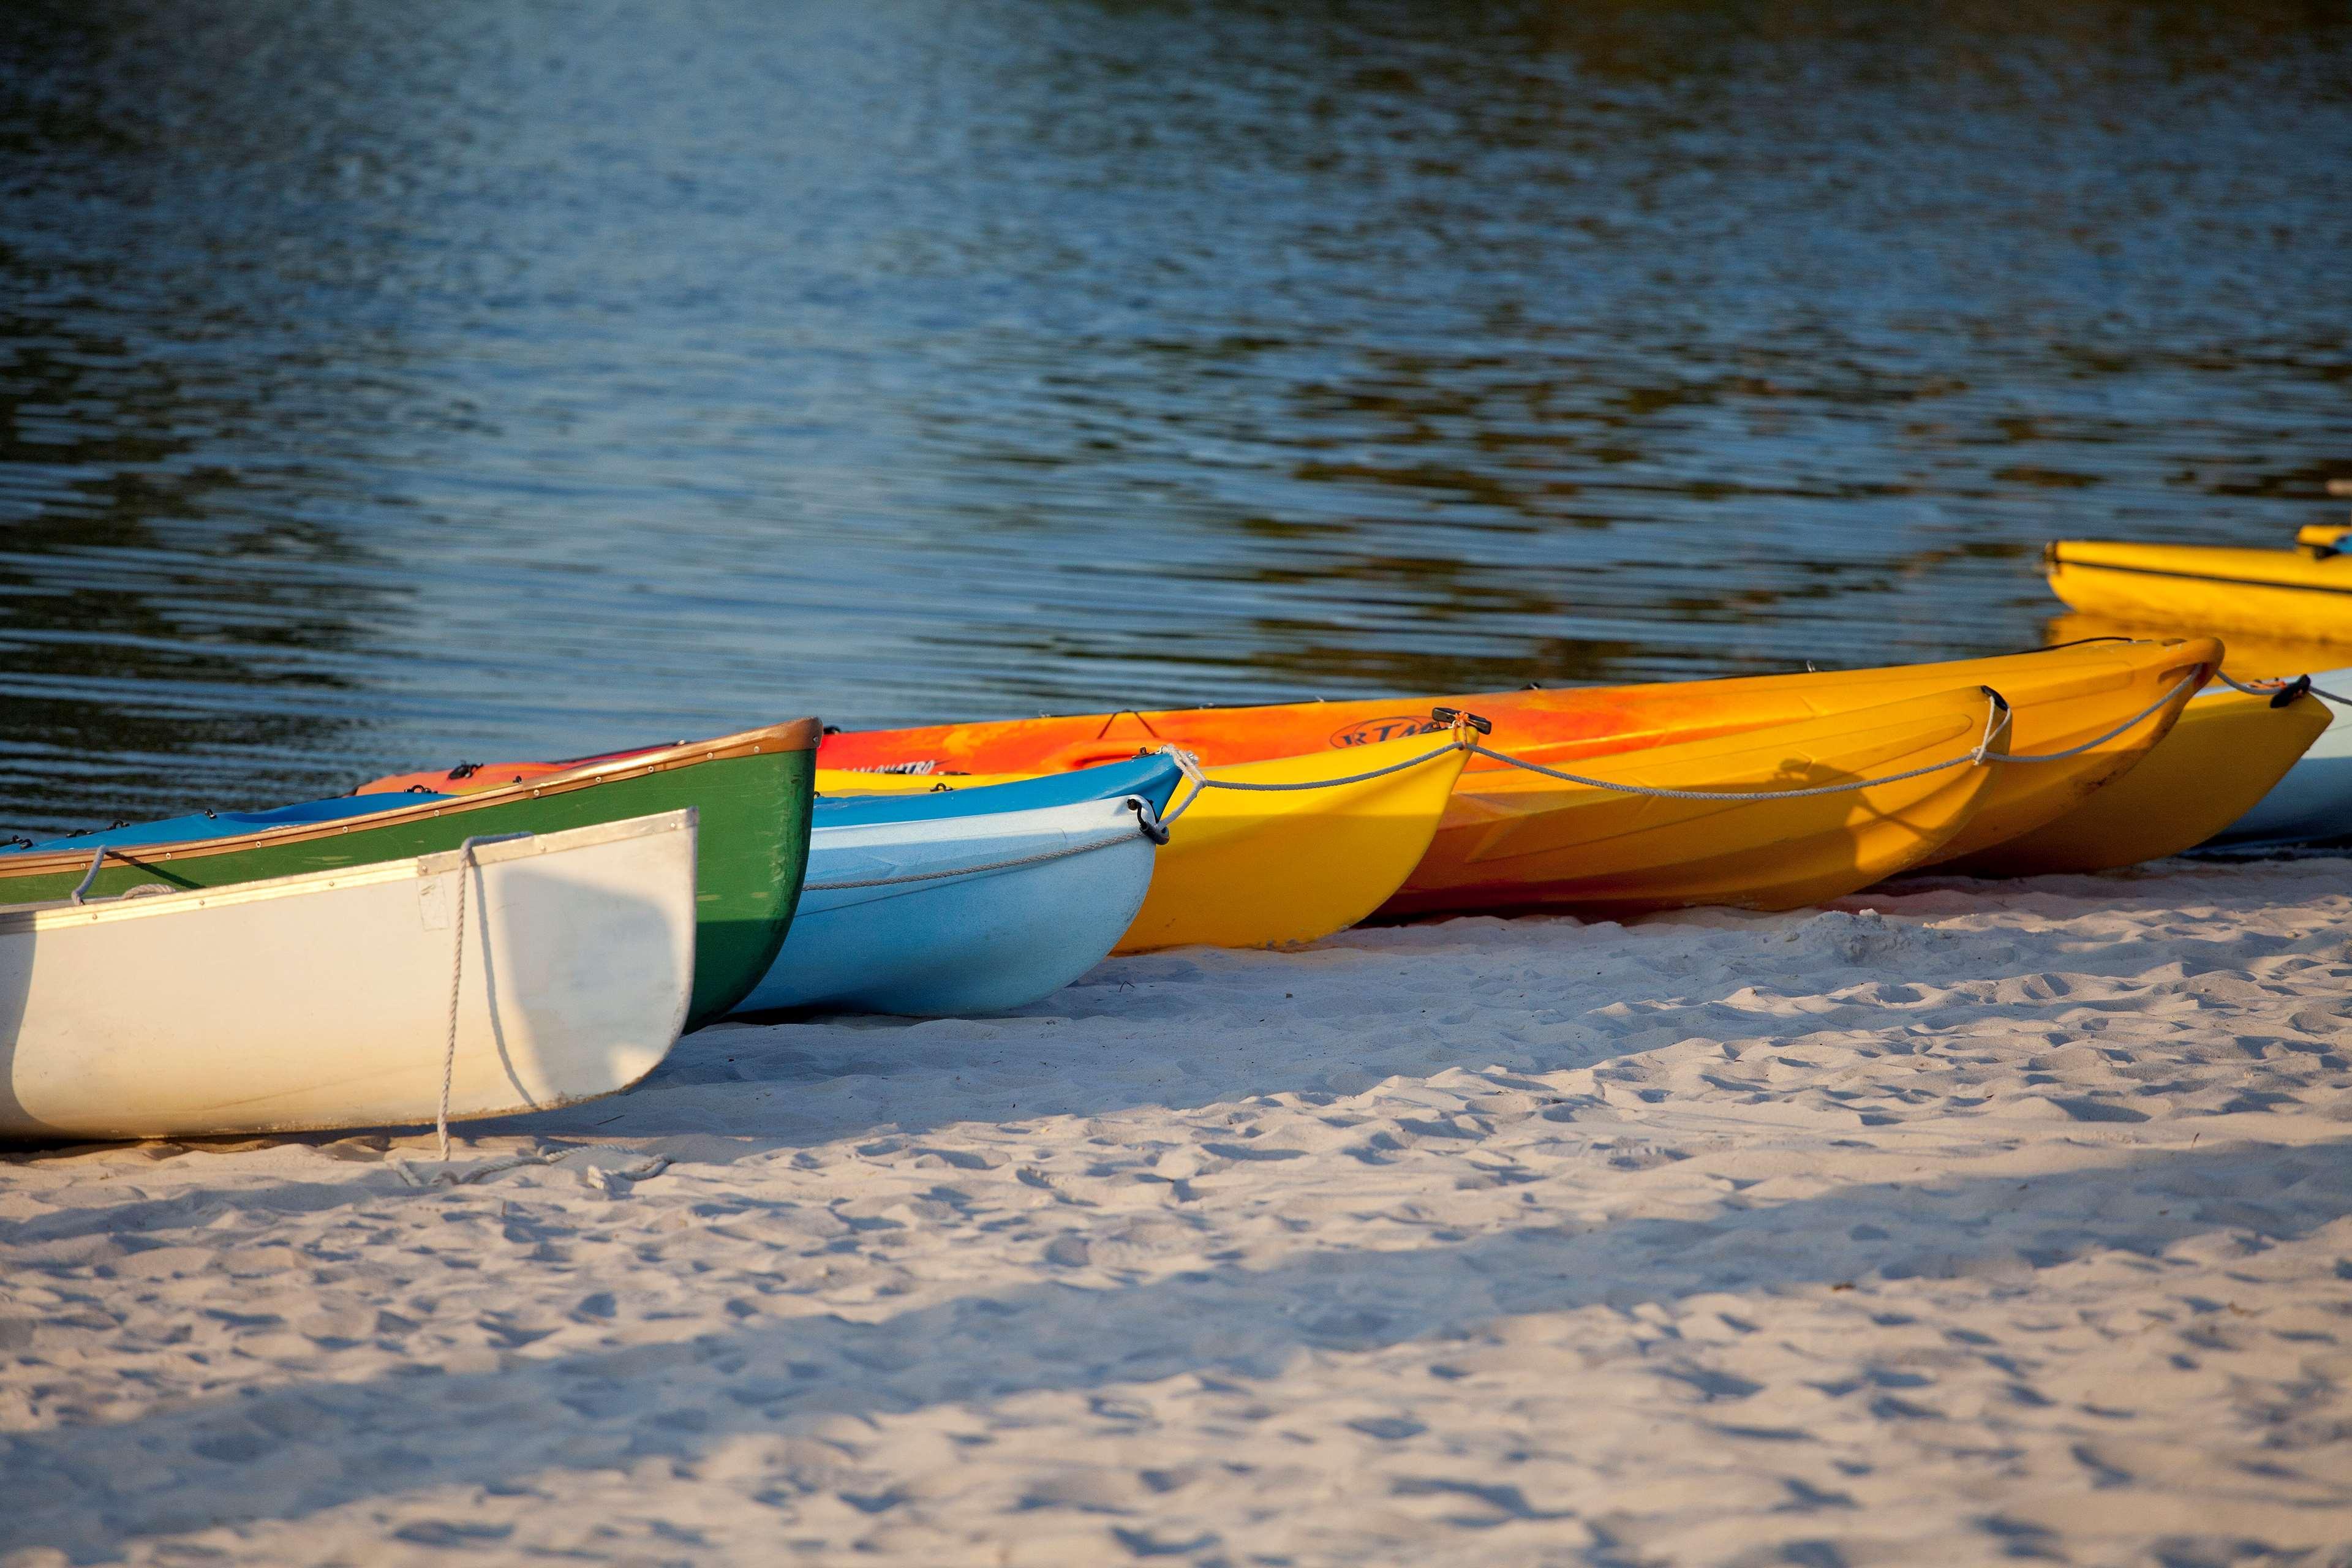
(1372, 731)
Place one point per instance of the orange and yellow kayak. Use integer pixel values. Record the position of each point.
(2061, 699)
(2227, 751)
(1514, 838)
(1518, 839)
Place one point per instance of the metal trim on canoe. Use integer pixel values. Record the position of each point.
(797, 735)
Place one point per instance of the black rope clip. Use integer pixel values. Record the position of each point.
(2290, 691)
(1451, 716)
(1147, 819)
(465, 769)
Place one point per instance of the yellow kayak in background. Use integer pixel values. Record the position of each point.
(1266, 867)
(2302, 592)
(1519, 839)
(2227, 751)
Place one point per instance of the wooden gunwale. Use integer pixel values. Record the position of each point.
(795, 735)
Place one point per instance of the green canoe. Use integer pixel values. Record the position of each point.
(752, 792)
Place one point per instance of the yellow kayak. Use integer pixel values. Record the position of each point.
(1266, 867)
(1514, 838)
(2249, 657)
(2117, 700)
(2301, 593)
(2112, 700)
(2227, 751)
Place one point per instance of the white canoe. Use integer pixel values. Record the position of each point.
(2315, 800)
(322, 1000)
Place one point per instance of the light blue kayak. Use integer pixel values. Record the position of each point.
(968, 901)
(2315, 800)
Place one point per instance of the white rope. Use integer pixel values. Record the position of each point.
(449, 1062)
(1190, 766)
(1996, 720)
(2274, 686)
(143, 890)
(487, 1168)
(90, 876)
(1145, 823)
(1063, 853)
(2154, 708)
(650, 1165)
(457, 974)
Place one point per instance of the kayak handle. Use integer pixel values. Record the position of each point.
(1468, 720)
(1147, 819)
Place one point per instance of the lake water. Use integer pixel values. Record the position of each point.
(383, 385)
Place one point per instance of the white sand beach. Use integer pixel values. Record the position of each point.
(1963, 1224)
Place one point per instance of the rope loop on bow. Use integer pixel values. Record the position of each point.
(1464, 729)
(2282, 690)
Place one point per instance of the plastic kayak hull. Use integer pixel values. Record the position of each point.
(950, 915)
(2247, 656)
(930, 903)
(2313, 801)
(2061, 699)
(1269, 868)
(932, 935)
(1514, 838)
(752, 793)
(2274, 593)
(2228, 753)
(322, 1000)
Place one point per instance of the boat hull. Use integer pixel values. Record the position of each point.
(954, 941)
(321, 1001)
(2247, 656)
(2313, 801)
(752, 792)
(1516, 838)
(1280, 867)
(2274, 592)
(2227, 753)
(1270, 868)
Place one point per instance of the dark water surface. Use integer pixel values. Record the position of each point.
(383, 384)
